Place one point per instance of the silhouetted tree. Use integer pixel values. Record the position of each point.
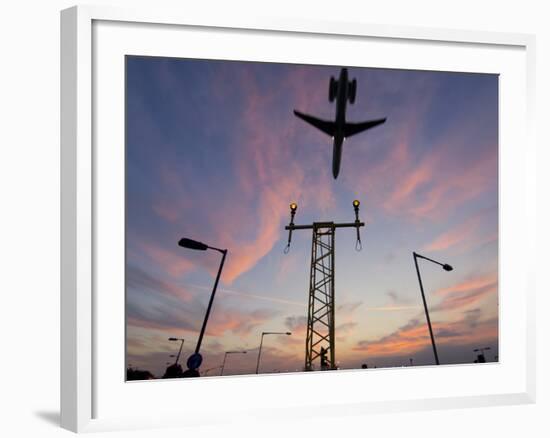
(135, 374)
(174, 371)
(191, 373)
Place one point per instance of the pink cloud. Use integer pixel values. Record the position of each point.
(141, 280)
(236, 321)
(269, 175)
(429, 186)
(172, 262)
(435, 187)
(411, 182)
(456, 236)
(467, 293)
(155, 325)
(451, 190)
(221, 321)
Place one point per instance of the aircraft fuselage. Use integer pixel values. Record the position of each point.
(340, 120)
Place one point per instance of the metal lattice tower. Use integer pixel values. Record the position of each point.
(320, 338)
(320, 320)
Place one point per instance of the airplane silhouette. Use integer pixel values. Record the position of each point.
(342, 90)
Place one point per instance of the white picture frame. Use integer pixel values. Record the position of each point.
(86, 377)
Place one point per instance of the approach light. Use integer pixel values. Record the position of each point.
(192, 244)
(288, 333)
(293, 206)
(447, 267)
(356, 203)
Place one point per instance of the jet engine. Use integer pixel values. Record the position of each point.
(332, 89)
(352, 90)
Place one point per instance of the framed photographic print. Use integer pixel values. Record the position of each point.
(264, 208)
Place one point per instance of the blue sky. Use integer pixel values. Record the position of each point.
(214, 153)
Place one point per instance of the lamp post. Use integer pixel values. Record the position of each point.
(446, 267)
(261, 343)
(225, 357)
(199, 246)
(181, 346)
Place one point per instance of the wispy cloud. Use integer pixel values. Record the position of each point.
(248, 295)
(221, 321)
(172, 262)
(390, 308)
(413, 336)
(157, 305)
(467, 293)
(239, 322)
(349, 307)
(296, 323)
(398, 300)
(459, 235)
(409, 178)
(433, 188)
(137, 278)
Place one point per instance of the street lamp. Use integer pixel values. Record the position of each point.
(261, 343)
(179, 352)
(293, 208)
(196, 359)
(356, 204)
(225, 357)
(446, 267)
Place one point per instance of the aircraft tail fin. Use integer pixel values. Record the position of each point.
(323, 125)
(355, 128)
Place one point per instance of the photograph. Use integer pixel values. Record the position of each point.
(291, 218)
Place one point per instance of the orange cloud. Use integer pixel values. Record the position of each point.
(414, 336)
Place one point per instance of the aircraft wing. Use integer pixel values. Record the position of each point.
(327, 127)
(355, 128)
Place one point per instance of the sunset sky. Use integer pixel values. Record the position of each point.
(215, 154)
